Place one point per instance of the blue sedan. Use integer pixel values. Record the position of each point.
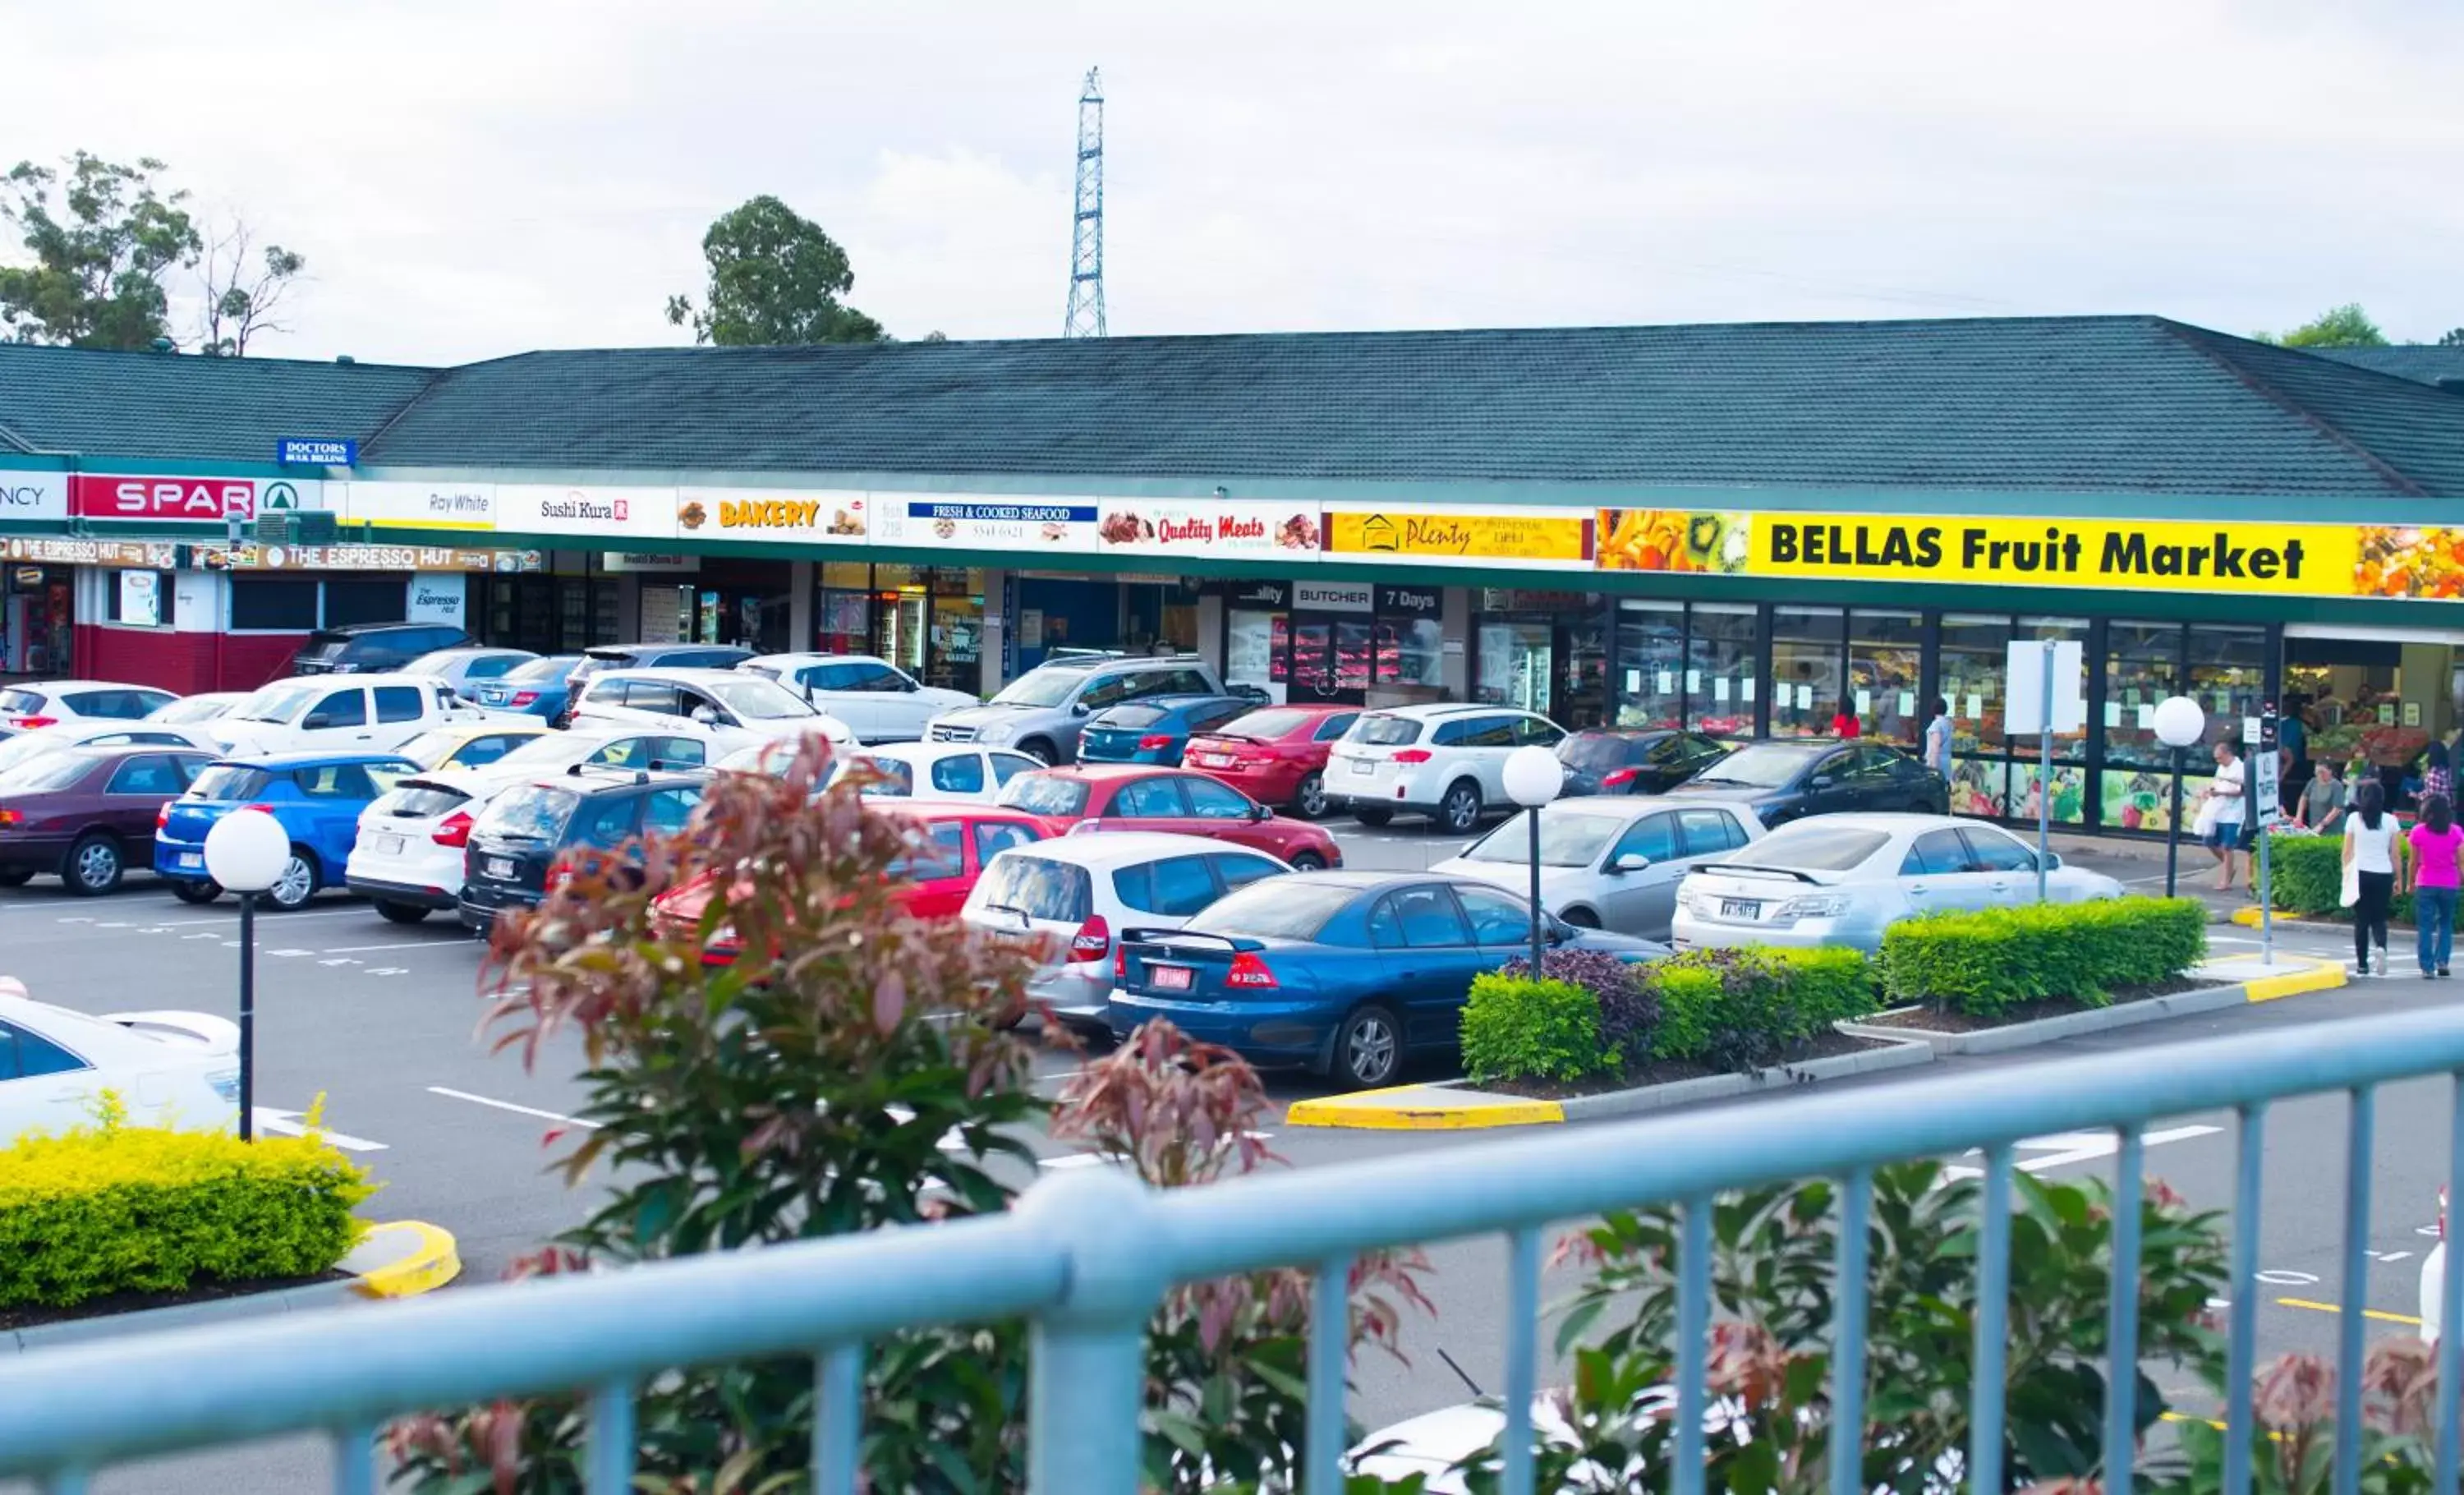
(536, 687)
(318, 797)
(1155, 730)
(1344, 974)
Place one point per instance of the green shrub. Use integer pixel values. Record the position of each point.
(2306, 875)
(1984, 962)
(1516, 1028)
(112, 1208)
(1743, 1010)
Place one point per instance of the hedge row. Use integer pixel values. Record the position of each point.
(2306, 876)
(1984, 963)
(112, 1208)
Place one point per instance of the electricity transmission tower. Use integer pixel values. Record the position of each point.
(1085, 319)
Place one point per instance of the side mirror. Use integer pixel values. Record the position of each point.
(1629, 862)
(1821, 781)
(2053, 861)
(705, 715)
(1080, 708)
(316, 720)
(1260, 812)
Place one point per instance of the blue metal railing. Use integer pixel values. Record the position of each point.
(1087, 1256)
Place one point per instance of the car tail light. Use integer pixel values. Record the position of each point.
(13, 817)
(264, 808)
(1120, 964)
(1250, 973)
(1094, 940)
(162, 816)
(1154, 742)
(558, 875)
(30, 723)
(1413, 756)
(456, 831)
(1616, 779)
(523, 698)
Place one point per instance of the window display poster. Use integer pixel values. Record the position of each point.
(141, 597)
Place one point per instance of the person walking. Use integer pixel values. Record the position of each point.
(2437, 874)
(2224, 808)
(1937, 739)
(2293, 736)
(2371, 857)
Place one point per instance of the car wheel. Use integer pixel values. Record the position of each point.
(400, 912)
(1368, 1048)
(1373, 817)
(93, 866)
(1308, 862)
(1308, 800)
(1038, 750)
(196, 890)
(298, 883)
(1458, 812)
(1582, 918)
(16, 876)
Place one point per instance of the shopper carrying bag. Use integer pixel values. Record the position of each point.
(2371, 851)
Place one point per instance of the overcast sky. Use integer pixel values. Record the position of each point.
(471, 178)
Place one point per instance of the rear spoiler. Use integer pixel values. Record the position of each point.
(1167, 937)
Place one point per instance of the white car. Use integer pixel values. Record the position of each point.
(1844, 879)
(100, 732)
(1076, 895)
(169, 1068)
(44, 703)
(408, 858)
(878, 701)
(357, 714)
(1608, 860)
(940, 770)
(1447, 762)
(733, 710)
(552, 752)
(187, 711)
(466, 668)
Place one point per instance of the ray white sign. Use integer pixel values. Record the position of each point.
(426, 506)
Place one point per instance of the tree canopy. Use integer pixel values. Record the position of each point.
(775, 277)
(99, 258)
(2346, 326)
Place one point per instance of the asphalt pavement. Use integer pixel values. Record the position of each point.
(382, 1020)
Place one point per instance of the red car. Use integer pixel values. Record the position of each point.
(964, 838)
(1182, 800)
(1275, 755)
(88, 814)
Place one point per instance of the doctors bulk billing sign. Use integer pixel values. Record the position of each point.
(1041, 525)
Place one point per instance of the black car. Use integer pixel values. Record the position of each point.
(1634, 760)
(372, 647)
(532, 835)
(1786, 780)
(645, 656)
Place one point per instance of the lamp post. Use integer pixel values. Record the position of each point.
(1533, 777)
(246, 852)
(2178, 723)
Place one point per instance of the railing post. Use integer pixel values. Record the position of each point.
(1088, 1373)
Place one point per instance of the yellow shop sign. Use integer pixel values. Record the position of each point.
(1395, 534)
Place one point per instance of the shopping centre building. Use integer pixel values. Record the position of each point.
(1738, 528)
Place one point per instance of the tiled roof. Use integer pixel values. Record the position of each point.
(2422, 363)
(172, 406)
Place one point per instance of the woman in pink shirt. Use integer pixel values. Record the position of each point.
(2437, 846)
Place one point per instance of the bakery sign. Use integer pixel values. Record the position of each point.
(188, 501)
(1207, 527)
(765, 514)
(1044, 526)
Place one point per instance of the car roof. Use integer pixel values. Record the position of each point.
(55, 687)
(357, 630)
(1894, 823)
(1123, 848)
(653, 650)
(924, 809)
(605, 778)
(802, 658)
(1431, 711)
(1107, 773)
(688, 675)
(306, 759)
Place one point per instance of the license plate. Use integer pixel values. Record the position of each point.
(389, 846)
(1741, 908)
(1363, 765)
(499, 866)
(1210, 759)
(193, 859)
(1172, 977)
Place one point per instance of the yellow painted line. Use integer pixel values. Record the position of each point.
(2329, 1307)
(2324, 976)
(2247, 918)
(1411, 1108)
(430, 1263)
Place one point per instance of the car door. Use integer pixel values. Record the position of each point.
(134, 795)
(1829, 782)
(401, 713)
(1873, 781)
(989, 839)
(1429, 968)
(41, 1083)
(1155, 804)
(338, 722)
(937, 868)
(331, 798)
(2005, 867)
(1643, 901)
(1940, 873)
(1226, 813)
(890, 701)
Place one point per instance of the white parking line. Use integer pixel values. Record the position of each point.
(400, 944)
(524, 1110)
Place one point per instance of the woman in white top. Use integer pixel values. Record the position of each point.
(2372, 848)
(2226, 808)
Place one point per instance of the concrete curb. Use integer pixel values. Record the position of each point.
(1898, 1054)
(398, 1259)
(2310, 976)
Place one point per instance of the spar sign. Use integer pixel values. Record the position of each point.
(187, 501)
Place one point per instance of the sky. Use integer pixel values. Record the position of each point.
(471, 178)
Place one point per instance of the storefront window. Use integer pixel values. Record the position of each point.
(1516, 665)
(1254, 643)
(2067, 781)
(2143, 664)
(1723, 669)
(2227, 669)
(1806, 685)
(273, 602)
(843, 620)
(1651, 663)
(1411, 651)
(1974, 655)
(1886, 667)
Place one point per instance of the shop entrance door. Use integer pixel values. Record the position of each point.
(1517, 665)
(1330, 659)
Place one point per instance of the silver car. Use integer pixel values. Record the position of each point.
(1844, 879)
(1610, 862)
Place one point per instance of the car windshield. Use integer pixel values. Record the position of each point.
(1132, 716)
(1043, 794)
(1597, 750)
(191, 710)
(1037, 887)
(46, 774)
(532, 812)
(278, 703)
(1758, 765)
(1041, 688)
(1813, 846)
(324, 646)
(230, 782)
(756, 700)
(548, 671)
(1567, 838)
(432, 748)
(1275, 907)
(437, 662)
(1379, 730)
(1265, 726)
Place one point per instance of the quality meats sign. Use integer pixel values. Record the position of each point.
(187, 501)
(1200, 527)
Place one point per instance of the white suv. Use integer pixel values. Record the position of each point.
(352, 713)
(1076, 894)
(878, 701)
(37, 704)
(1447, 762)
(729, 710)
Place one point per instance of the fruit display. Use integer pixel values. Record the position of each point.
(1673, 539)
(2403, 560)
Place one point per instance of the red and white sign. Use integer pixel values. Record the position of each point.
(194, 501)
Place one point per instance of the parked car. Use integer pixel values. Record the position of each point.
(85, 814)
(189, 711)
(471, 744)
(1786, 780)
(1275, 755)
(530, 837)
(1044, 711)
(1634, 760)
(907, 770)
(371, 713)
(1608, 861)
(1071, 897)
(169, 1068)
(1344, 974)
(98, 732)
(537, 689)
(961, 841)
(1121, 797)
(49, 703)
(466, 670)
(1844, 879)
(373, 647)
(729, 708)
(1446, 761)
(554, 752)
(604, 657)
(408, 854)
(318, 797)
(878, 701)
(1155, 730)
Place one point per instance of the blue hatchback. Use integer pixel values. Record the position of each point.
(534, 687)
(1346, 974)
(318, 797)
(1156, 728)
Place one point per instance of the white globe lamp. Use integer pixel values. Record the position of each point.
(246, 852)
(2178, 723)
